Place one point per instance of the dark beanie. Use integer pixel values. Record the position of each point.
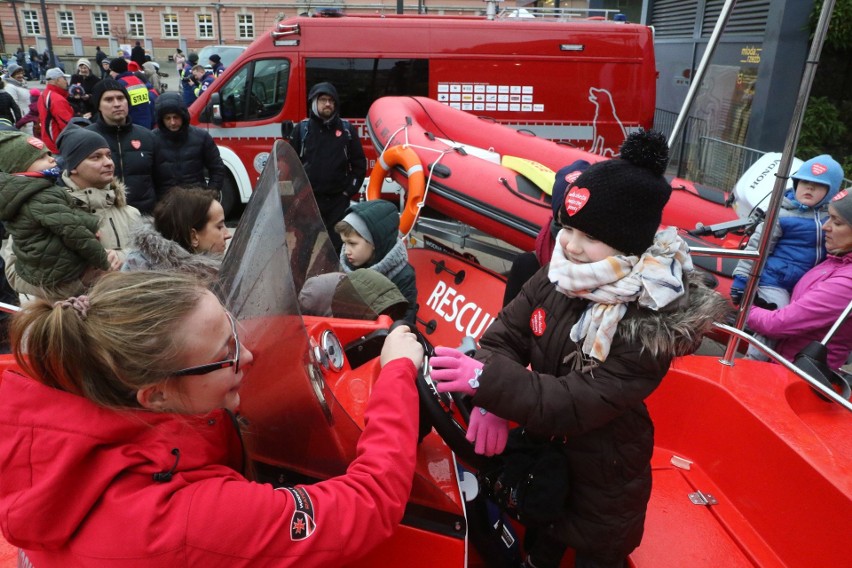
(193, 58)
(620, 201)
(215, 58)
(119, 65)
(105, 85)
(76, 144)
(565, 177)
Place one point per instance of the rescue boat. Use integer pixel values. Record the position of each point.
(498, 179)
(751, 467)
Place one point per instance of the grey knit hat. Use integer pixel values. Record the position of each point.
(842, 204)
(76, 144)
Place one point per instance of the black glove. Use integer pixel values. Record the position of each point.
(761, 303)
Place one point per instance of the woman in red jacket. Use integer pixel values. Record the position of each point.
(122, 449)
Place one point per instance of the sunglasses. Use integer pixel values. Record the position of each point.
(210, 367)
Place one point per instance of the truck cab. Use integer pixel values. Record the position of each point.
(583, 82)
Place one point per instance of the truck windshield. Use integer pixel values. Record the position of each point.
(360, 82)
(257, 91)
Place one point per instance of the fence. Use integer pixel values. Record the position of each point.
(701, 158)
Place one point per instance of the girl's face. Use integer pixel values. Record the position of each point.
(213, 236)
(581, 248)
(357, 249)
(208, 335)
(838, 233)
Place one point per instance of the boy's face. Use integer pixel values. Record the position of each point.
(357, 249)
(810, 193)
(581, 248)
(44, 163)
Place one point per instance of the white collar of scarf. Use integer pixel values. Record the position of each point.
(654, 279)
(392, 264)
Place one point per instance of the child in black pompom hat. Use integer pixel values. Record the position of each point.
(576, 353)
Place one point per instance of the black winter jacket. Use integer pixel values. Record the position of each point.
(184, 156)
(600, 410)
(9, 109)
(331, 153)
(135, 150)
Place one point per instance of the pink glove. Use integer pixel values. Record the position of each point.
(453, 371)
(488, 430)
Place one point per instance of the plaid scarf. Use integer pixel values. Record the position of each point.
(654, 279)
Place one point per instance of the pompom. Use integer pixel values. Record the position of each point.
(646, 149)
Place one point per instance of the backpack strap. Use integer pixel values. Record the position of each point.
(303, 133)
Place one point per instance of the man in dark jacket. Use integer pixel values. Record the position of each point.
(137, 54)
(99, 60)
(185, 152)
(134, 148)
(141, 96)
(331, 152)
(187, 81)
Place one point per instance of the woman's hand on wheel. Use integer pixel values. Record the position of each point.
(399, 343)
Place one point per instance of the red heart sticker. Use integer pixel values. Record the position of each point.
(572, 177)
(576, 200)
(818, 169)
(136, 144)
(338, 133)
(537, 322)
(35, 142)
(840, 195)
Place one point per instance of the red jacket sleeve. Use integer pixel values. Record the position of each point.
(346, 516)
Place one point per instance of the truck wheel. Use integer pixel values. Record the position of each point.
(229, 197)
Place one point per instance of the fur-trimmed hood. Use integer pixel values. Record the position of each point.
(96, 198)
(676, 330)
(152, 251)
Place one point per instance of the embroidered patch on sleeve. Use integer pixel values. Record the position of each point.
(302, 524)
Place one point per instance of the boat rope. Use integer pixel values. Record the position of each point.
(408, 144)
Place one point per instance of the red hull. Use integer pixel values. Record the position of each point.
(495, 199)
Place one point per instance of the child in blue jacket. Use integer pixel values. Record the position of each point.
(797, 243)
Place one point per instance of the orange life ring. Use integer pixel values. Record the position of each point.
(407, 158)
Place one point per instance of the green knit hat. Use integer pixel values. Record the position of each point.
(18, 151)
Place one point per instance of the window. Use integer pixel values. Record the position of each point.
(135, 24)
(359, 82)
(205, 25)
(257, 91)
(31, 22)
(245, 26)
(101, 24)
(170, 26)
(66, 23)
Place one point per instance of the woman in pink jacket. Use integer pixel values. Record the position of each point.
(819, 297)
(122, 449)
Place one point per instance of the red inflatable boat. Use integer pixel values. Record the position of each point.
(498, 179)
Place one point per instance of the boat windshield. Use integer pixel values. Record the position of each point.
(279, 244)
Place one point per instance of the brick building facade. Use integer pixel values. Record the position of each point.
(77, 27)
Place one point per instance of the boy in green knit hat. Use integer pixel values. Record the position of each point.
(54, 242)
(370, 234)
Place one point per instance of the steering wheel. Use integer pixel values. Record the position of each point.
(449, 413)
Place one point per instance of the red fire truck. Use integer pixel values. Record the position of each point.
(584, 82)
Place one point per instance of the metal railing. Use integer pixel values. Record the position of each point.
(701, 158)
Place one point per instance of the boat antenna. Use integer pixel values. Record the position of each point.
(782, 173)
